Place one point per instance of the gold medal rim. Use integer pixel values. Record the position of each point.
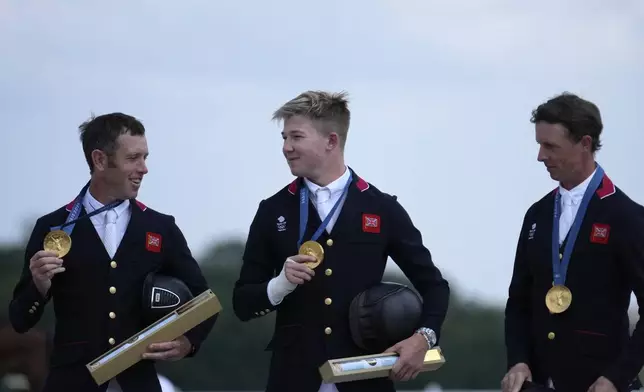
(65, 248)
(318, 250)
(552, 292)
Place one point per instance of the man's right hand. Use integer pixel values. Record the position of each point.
(43, 266)
(293, 273)
(516, 376)
(296, 271)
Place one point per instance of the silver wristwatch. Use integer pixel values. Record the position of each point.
(429, 335)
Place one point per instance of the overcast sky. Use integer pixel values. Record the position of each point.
(441, 94)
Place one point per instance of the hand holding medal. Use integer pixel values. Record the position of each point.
(297, 270)
(58, 242)
(313, 249)
(43, 266)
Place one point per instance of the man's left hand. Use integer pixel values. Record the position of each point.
(169, 351)
(411, 353)
(602, 385)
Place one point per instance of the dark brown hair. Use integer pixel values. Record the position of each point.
(101, 133)
(579, 116)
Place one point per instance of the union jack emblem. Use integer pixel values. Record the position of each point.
(370, 223)
(153, 242)
(600, 233)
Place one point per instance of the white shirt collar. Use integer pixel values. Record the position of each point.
(576, 193)
(336, 186)
(90, 201)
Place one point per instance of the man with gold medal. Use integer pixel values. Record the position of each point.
(319, 242)
(91, 258)
(579, 257)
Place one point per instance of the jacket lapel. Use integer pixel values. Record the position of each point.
(350, 209)
(86, 227)
(346, 214)
(593, 212)
(135, 231)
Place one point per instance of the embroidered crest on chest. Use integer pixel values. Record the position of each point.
(281, 223)
(533, 230)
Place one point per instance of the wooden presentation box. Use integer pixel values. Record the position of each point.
(372, 366)
(168, 328)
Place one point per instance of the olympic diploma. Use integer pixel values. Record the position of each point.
(372, 366)
(169, 327)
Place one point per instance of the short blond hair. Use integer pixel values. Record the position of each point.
(329, 110)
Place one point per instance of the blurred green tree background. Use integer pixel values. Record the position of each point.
(233, 358)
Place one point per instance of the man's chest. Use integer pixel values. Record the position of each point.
(589, 244)
(356, 227)
(141, 247)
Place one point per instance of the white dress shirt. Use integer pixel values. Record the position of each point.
(570, 201)
(324, 198)
(102, 224)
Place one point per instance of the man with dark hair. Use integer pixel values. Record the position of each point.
(91, 257)
(579, 257)
(319, 242)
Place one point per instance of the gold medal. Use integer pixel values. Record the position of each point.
(558, 299)
(58, 241)
(312, 248)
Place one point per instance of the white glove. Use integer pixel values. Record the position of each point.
(279, 287)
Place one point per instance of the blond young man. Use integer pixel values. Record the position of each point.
(358, 227)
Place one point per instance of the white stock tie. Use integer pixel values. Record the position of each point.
(566, 216)
(110, 232)
(323, 196)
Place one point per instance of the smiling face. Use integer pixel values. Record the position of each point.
(307, 151)
(123, 171)
(564, 158)
(316, 124)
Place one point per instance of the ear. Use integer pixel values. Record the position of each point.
(99, 159)
(333, 142)
(587, 143)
